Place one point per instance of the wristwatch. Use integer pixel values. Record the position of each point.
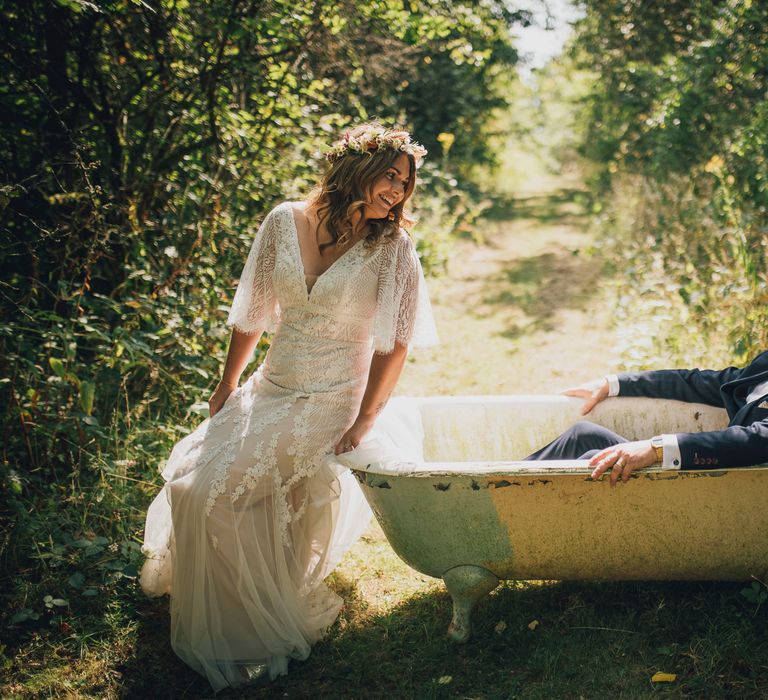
(657, 442)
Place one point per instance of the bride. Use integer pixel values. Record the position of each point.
(256, 511)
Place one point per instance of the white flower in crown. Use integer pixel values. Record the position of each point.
(376, 139)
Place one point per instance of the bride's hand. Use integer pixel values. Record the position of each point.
(594, 392)
(354, 436)
(218, 398)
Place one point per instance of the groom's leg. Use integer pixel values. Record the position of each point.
(581, 441)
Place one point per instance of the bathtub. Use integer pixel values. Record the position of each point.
(444, 480)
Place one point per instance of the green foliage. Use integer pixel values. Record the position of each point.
(466, 46)
(677, 125)
(141, 145)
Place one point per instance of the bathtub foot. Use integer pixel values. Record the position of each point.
(466, 584)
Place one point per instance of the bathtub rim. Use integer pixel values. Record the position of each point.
(521, 468)
(545, 398)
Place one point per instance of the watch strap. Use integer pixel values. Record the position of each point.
(657, 442)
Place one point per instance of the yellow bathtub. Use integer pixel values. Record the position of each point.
(443, 478)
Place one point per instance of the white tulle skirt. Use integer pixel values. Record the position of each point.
(255, 513)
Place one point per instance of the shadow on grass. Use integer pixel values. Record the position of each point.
(534, 289)
(592, 640)
(154, 670)
(566, 206)
(542, 285)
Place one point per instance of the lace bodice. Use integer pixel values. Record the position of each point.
(368, 299)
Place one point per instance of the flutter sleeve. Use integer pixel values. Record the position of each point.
(403, 311)
(254, 308)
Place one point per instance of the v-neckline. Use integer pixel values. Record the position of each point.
(302, 269)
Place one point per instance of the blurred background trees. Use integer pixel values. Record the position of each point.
(675, 127)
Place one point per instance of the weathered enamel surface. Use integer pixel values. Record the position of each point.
(558, 524)
(454, 505)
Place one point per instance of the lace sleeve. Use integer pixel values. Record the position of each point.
(254, 308)
(403, 313)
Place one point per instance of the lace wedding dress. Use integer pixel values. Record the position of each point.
(256, 511)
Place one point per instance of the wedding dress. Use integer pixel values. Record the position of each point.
(256, 511)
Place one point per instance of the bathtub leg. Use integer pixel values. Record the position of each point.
(466, 584)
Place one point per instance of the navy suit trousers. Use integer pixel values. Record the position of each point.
(581, 441)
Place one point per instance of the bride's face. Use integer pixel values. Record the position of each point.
(388, 189)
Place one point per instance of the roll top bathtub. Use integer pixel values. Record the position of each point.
(442, 477)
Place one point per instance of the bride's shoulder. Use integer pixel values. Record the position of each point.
(285, 207)
(281, 216)
(403, 240)
(400, 250)
(398, 239)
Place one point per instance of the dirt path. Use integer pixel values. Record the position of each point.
(524, 313)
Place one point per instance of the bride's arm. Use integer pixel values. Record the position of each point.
(241, 347)
(384, 373)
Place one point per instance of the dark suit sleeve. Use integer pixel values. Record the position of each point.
(693, 385)
(736, 446)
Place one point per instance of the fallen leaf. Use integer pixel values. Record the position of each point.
(660, 677)
(500, 627)
(444, 680)
(533, 625)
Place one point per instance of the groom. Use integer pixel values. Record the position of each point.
(742, 392)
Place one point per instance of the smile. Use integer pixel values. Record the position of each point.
(387, 201)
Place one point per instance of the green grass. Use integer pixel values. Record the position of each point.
(592, 640)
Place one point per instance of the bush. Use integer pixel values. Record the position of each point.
(677, 126)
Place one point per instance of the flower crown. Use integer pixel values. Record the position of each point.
(375, 138)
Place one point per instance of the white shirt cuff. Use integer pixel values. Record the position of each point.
(672, 459)
(613, 384)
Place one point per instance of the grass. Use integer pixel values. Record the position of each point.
(589, 640)
(532, 639)
(592, 640)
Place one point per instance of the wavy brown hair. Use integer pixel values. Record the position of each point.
(346, 187)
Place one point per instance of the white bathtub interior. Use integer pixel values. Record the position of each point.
(508, 428)
(420, 433)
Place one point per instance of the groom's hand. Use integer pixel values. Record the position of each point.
(594, 392)
(622, 460)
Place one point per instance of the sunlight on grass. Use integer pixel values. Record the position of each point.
(379, 576)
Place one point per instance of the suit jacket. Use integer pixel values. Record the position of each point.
(744, 442)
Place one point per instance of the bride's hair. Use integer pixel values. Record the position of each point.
(346, 186)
